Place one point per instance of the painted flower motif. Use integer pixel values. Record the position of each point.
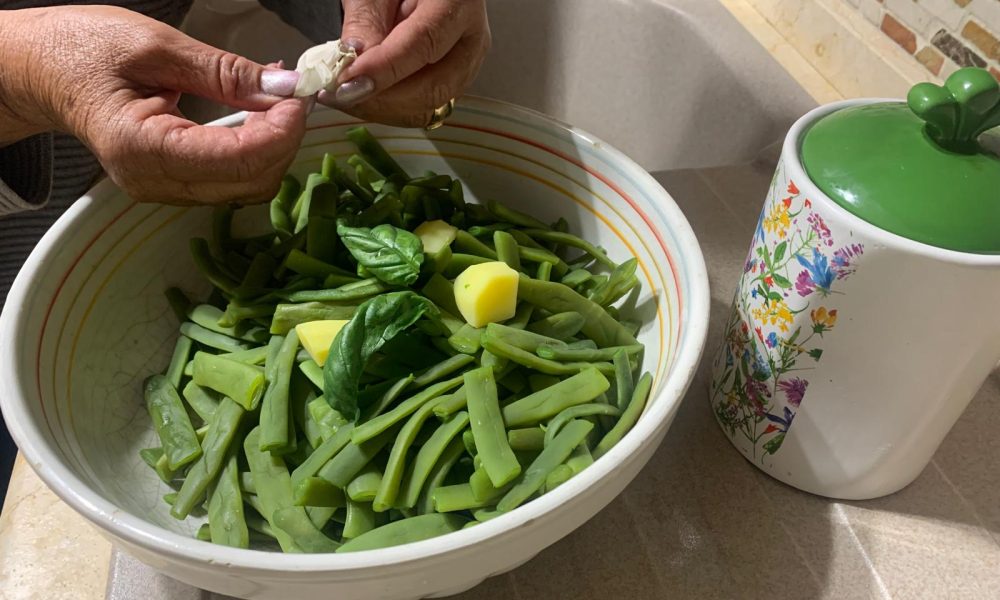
(844, 260)
(777, 221)
(818, 225)
(823, 319)
(771, 340)
(817, 275)
(794, 389)
(774, 313)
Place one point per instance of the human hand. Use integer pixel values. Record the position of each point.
(414, 56)
(112, 78)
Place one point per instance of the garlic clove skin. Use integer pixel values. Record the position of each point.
(319, 67)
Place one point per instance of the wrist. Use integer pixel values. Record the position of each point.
(24, 111)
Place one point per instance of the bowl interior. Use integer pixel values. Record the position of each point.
(88, 319)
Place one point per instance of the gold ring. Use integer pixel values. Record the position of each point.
(440, 114)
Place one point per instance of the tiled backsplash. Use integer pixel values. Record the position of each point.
(942, 35)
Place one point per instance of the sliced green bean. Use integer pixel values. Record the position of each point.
(360, 519)
(453, 498)
(179, 303)
(554, 297)
(208, 267)
(202, 400)
(442, 369)
(213, 339)
(275, 410)
(560, 326)
(430, 454)
(322, 455)
(287, 316)
(624, 384)
(578, 389)
(282, 203)
(438, 474)
(488, 430)
(406, 531)
(450, 405)
(241, 382)
(441, 292)
(464, 242)
(203, 533)
(557, 477)
(576, 277)
(388, 398)
(313, 372)
(274, 487)
(507, 249)
(359, 290)
(467, 339)
(226, 521)
(388, 489)
(365, 486)
(525, 340)
(629, 416)
(460, 262)
(252, 356)
(246, 483)
(171, 422)
(550, 367)
(179, 359)
(504, 213)
(538, 382)
(551, 457)
(526, 439)
(586, 354)
(304, 264)
(576, 412)
(345, 466)
(483, 489)
(488, 230)
(295, 522)
(375, 153)
(377, 425)
(221, 431)
(572, 241)
(316, 491)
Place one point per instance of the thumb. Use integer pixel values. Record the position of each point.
(199, 69)
(367, 22)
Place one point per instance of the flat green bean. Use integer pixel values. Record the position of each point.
(275, 410)
(226, 521)
(437, 475)
(576, 412)
(507, 249)
(213, 339)
(487, 425)
(388, 489)
(313, 372)
(274, 487)
(453, 498)
(561, 326)
(629, 416)
(573, 241)
(504, 213)
(500, 347)
(578, 389)
(467, 339)
(563, 353)
(377, 425)
(322, 455)
(554, 297)
(450, 405)
(241, 382)
(557, 477)
(405, 531)
(343, 467)
(470, 244)
(551, 457)
(526, 439)
(441, 291)
(208, 316)
(360, 519)
(203, 401)
(525, 340)
(442, 369)
(179, 359)
(221, 431)
(316, 491)
(287, 316)
(359, 290)
(624, 384)
(171, 422)
(295, 522)
(365, 486)
(390, 396)
(429, 455)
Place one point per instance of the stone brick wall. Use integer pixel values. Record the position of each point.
(942, 35)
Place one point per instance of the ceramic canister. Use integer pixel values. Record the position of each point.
(851, 349)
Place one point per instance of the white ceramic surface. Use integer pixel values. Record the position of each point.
(86, 321)
(844, 367)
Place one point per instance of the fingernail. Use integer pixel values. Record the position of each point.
(354, 91)
(356, 44)
(278, 83)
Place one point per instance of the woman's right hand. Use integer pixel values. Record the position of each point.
(112, 78)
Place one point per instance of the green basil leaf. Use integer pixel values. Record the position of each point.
(389, 253)
(374, 323)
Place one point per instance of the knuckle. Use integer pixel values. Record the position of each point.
(365, 17)
(233, 74)
(428, 46)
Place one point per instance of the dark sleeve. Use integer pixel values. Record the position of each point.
(318, 20)
(25, 174)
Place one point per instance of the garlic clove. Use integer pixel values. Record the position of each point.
(319, 67)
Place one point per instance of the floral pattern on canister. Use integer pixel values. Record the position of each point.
(784, 307)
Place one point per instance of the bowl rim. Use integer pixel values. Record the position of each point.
(157, 540)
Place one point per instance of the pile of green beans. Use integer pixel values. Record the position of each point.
(455, 424)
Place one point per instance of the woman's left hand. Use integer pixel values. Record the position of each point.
(414, 56)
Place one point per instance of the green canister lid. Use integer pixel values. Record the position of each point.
(921, 170)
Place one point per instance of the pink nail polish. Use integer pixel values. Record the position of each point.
(276, 82)
(355, 44)
(354, 91)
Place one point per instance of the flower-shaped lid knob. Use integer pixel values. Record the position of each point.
(923, 170)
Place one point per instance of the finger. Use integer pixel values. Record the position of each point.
(185, 65)
(367, 22)
(412, 102)
(424, 38)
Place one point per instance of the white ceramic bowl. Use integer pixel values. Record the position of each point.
(86, 321)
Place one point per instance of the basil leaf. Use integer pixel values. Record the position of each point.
(374, 323)
(392, 254)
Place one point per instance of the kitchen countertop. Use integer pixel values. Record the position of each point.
(699, 521)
